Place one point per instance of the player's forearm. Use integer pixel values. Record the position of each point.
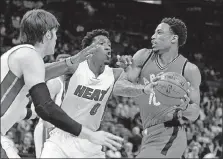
(57, 69)
(192, 112)
(127, 89)
(50, 112)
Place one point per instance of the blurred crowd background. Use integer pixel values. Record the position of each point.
(131, 25)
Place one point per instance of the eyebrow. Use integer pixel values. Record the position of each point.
(159, 30)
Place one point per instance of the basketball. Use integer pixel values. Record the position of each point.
(171, 88)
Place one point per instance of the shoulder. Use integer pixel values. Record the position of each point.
(117, 72)
(191, 68)
(26, 52)
(28, 56)
(192, 73)
(141, 55)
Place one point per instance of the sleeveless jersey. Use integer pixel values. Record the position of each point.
(59, 97)
(87, 96)
(152, 112)
(13, 92)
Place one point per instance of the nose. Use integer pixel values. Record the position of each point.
(153, 37)
(108, 49)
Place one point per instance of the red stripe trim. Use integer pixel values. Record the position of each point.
(6, 83)
(172, 138)
(11, 94)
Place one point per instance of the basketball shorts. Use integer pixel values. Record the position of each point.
(63, 145)
(160, 141)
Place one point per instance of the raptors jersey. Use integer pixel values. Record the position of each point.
(87, 96)
(13, 93)
(152, 112)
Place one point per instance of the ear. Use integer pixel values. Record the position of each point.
(174, 39)
(48, 35)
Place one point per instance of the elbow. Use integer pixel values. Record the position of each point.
(42, 113)
(193, 115)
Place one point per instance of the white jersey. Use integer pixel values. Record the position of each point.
(59, 96)
(87, 96)
(13, 92)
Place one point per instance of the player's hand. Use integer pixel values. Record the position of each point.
(149, 88)
(106, 139)
(184, 103)
(124, 61)
(85, 54)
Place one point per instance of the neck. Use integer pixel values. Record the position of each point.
(96, 68)
(40, 49)
(167, 56)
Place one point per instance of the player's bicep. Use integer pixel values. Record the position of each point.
(33, 69)
(192, 74)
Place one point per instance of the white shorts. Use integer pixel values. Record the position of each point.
(63, 145)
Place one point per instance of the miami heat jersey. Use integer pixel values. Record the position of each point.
(87, 96)
(152, 111)
(13, 92)
(59, 97)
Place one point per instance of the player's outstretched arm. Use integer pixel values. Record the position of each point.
(34, 75)
(70, 64)
(192, 74)
(126, 85)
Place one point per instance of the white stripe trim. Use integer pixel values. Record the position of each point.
(8, 90)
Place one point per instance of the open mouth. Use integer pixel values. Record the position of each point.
(153, 43)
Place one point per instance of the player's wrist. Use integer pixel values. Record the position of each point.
(85, 133)
(69, 62)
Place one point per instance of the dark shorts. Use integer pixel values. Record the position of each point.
(161, 141)
(3, 153)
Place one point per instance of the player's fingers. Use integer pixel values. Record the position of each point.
(129, 60)
(182, 101)
(110, 146)
(153, 84)
(187, 99)
(159, 74)
(91, 48)
(188, 84)
(114, 143)
(114, 137)
(157, 78)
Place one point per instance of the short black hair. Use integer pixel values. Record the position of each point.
(178, 27)
(87, 40)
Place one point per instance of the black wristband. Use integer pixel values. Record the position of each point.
(28, 114)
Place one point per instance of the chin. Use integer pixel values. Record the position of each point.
(155, 50)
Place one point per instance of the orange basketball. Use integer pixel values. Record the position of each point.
(171, 88)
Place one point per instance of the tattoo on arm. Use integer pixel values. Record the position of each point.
(125, 88)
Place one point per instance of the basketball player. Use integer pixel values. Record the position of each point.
(56, 87)
(90, 87)
(163, 136)
(22, 71)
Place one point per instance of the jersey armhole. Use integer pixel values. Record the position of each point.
(25, 46)
(150, 55)
(183, 70)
